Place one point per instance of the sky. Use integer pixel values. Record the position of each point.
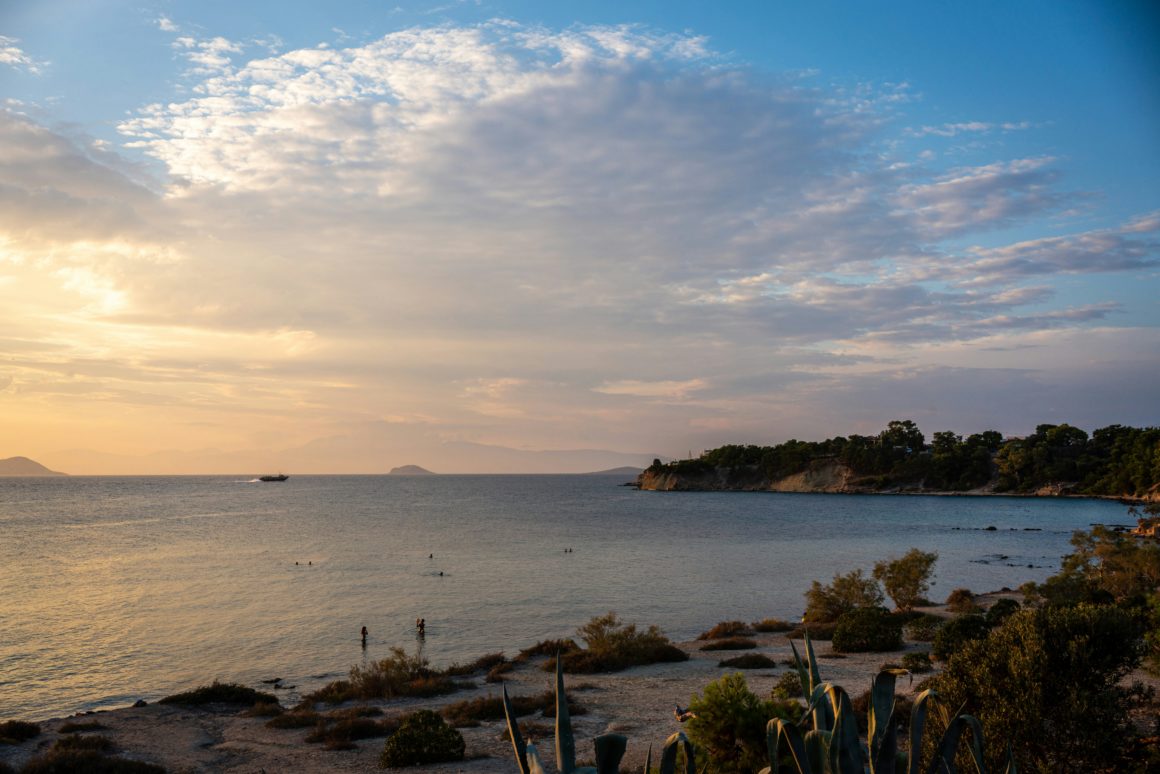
(497, 236)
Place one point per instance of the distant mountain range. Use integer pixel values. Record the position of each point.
(22, 466)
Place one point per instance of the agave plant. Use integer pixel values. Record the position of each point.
(832, 744)
(609, 747)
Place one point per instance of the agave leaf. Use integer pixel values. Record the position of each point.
(917, 723)
(882, 732)
(779, 730)
(648, 760)
(818, 750)
(609, 750)
(565, 742)
(514, 732)
(820, 708)
(669, 754)
(1011, 767)
(535, 765)
(945, 756)
(845, 752)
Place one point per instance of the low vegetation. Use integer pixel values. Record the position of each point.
(423, 738)
(917, 662)
(472, 712)
(729, 727)
(613, 646)
(70, 761)
(17, 731)
(867, 629)
(74, 728)
(923, 628)
(220, 693)
(827, 603)
(956, 633)
(770, 625)
(398, 675)
(907, 579)
(727, 629)
(962, 601)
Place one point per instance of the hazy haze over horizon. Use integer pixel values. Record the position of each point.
(472, 236)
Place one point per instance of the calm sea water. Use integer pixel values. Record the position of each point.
(116, 589)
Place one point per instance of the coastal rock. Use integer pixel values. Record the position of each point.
(820, 476)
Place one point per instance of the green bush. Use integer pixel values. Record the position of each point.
(825, 604)
(613, 646)
(482, 664)
(789, 686)
(220, 693)
(917, 662)
(422, 738)
(729, 727)
(749, 661)
(547, 648)
(907, 579)
(956, 632)
(17, 731)
(962, 601)
(767, 625)
(1049, 681)
(924, 628)
(867, 629)
(1000, 611)
(471, 711)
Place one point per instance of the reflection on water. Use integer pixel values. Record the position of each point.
(122, 588)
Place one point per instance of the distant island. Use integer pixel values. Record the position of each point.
(1056, 460)
(410, 470)
(22, 466)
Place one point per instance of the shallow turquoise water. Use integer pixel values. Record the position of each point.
(123, 588)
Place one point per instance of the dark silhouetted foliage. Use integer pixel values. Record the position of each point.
(423, 738)
(867, 629)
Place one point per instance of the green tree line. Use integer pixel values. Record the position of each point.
(1114, 460)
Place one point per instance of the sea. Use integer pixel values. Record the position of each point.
(114, 589)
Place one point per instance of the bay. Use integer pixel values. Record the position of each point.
(120, 588)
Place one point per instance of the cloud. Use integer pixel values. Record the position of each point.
(534, 238)
(15, 57)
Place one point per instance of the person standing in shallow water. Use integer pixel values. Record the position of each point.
(364, 637)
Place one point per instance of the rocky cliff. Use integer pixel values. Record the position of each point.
(821, 476)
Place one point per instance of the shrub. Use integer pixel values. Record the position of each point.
(264, 710)
(727, 629)
(72, 728)
(903, 705)
(772, 625)
(17, 731)
(398, 675)
(729, 727)
(613, 646)
(295, 719)
(827, 603)
(64, 761)
(481, 664)
(220, 693)
(906, 580)
(749, 661)
(817, 631)
(789, 686)
(343, 734)
(422, 738)
(547, 648)
(957, 632)
(917, 662)
(1070, 711)
(924, 628)
(496, 673)
(1001, 611)
(867, 629)
(471, 711)
(731, 643)
(962, 601)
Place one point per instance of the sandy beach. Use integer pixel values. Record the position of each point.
(638, 703)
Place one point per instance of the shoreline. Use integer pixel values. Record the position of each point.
(637, 702)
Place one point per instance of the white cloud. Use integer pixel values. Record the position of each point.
(12, 55)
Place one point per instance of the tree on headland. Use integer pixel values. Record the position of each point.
(907, 579)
